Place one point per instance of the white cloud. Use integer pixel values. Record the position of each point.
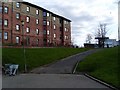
(85, 15)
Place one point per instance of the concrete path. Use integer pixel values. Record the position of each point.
(64, 66)
(50, 81)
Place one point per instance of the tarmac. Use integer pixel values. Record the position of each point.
(64, 66)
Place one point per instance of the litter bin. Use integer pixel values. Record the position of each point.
(11, 69)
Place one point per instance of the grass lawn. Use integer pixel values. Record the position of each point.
(103, 65)
(36, 57)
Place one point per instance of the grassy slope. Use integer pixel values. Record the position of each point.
(103, 65)
(0, 56)
(36, 57)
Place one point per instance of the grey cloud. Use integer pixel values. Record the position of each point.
(108, 20)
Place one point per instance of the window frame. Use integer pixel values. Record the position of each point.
(37, 21)
(65, 29)
(37, 31)
(17, 38)
(44, 22)
(48, 32)
(0, 35)
(17, 15)
(6, 9)
(17, 27)
(6, 22)
(17, 5)
(27, 29)
(27, 19)
(48, 14)
(48, 23)
(44, 32)
(54, 26)
(6, 36)
(54, 35)
(0, 22)
(37, 42)
(44, 14)
(28, 9)
(37, 12)
(48, 40)
(54, 18)
(1, 9)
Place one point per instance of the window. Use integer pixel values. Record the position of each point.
(17, 39)
(17, 27)
(60, 28)
(44, 14)
(65, 29)
(60, 20)
(0, 9)
(48, 23)
(37, 21)
(64, 22)
(66, 37)
(44, 32)
(54, 18)
(17, 15)
(0, 35)
(17, 4)
(67, 22)
(27, 29)
(48, 40)
(5, 9)
(48, 14)
(5, 22)
(28, 9)
(37, 12)
(0, 21)
(44, 22)
(27, 19)
(54, 27)
(5, 35)
(48, 32)
(54, 35)
(37, 42)
(37, 31)
(60, 36)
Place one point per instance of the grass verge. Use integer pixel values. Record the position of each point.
(36, 57)
(103, 65)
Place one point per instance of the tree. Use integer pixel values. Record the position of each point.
(88, 38)
(101, 34)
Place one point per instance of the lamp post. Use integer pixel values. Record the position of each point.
(25, 65)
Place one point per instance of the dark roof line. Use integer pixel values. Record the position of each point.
(24, 2)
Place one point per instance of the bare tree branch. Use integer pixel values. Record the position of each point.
(88, 38)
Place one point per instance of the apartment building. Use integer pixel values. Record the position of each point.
(31, 25)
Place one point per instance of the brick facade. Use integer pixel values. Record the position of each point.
(41, 27)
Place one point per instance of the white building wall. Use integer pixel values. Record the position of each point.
(111, 42)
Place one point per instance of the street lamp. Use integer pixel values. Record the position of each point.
(25, 65)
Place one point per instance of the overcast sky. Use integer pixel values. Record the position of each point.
(85, 15)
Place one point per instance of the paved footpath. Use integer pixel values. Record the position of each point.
(50, 81)
(55, 75)
(64, 66)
